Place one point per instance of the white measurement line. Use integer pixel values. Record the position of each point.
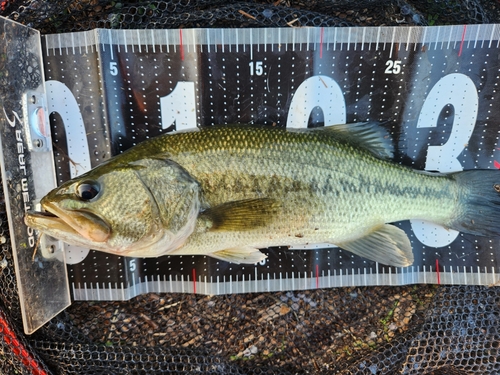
(279, 42)
(449, 37)
(491, 35)
(110, 37)
(392, 42)
(265, 38)
(349, 39)
(139, 44)
(60, 44)
(251, 47)
(410, 29)
(47, 49)
(125, 42)
(208, 41)
(335, 39)
(307, 39)
(363, 39)
(423, 38)
(73, 42)
(378, 39)
(153, 43)
(477, 35)
(437, 38)
(222, 39)
(167, 41)
(133, 284)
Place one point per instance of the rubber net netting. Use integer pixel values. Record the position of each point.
(419, 329)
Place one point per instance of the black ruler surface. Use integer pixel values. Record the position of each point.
(435, 89)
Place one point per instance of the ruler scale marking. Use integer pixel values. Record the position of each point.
(437, 39)
(392, 42)
(360, 276)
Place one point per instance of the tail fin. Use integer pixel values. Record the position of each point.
(479, 202)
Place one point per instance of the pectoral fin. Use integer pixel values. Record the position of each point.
(246, 254)
(241, 215)
(387, 245)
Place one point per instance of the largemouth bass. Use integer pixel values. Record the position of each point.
(228, 191)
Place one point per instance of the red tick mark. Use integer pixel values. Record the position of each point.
(462, 42)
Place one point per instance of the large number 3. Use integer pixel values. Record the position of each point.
(459, 91)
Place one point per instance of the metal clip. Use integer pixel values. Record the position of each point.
(38, 127)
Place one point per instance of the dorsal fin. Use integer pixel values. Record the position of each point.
(368, 135)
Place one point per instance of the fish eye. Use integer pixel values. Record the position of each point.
(88, 190)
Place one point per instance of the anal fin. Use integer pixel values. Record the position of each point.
(245, 254)
(387, 245)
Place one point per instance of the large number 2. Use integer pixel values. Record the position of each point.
(459, 91)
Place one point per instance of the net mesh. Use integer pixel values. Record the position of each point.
(418, 329)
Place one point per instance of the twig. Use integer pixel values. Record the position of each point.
(247, 15)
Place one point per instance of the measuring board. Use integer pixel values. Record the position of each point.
(433, 88)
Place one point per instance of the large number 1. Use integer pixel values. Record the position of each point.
(179, 107)
(459, 91)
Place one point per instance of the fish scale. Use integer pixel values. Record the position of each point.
(342, 183)
(340, 193)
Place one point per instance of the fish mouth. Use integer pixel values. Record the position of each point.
(78, 222)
